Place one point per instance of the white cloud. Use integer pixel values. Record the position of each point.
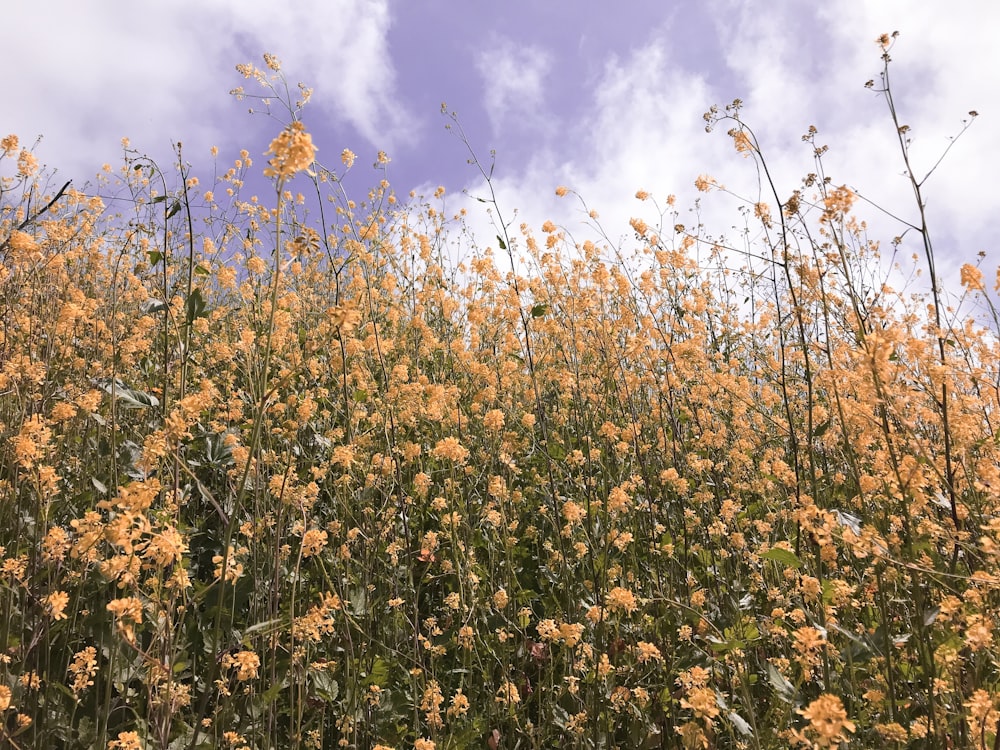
(87, 74)
(514, 77)
(791, 70)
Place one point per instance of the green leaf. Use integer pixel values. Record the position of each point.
(740, 724)
(785, 690)
(99, 486)
(157, 199)
(155, 256)
(200, 270)
(783, 557)
(931, 615)
(539, 310)
(723, 647)
(819, 431)
(503, 245)
(174, 208)
(128, 398)
(195, 305)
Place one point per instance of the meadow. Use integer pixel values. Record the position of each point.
(279, 474)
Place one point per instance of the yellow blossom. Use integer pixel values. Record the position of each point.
(293, 151)
(828, 721)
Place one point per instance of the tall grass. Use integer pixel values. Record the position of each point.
(276, 478)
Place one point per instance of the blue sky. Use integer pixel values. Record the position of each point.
(603, 97)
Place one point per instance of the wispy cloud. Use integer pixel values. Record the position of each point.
(514, 81)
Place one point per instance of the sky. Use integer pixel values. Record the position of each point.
(605, 98)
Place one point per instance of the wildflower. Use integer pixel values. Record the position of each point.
(621, 600)
(293, 151)
(166, 547)
(128, 612)
(459, 705)
(561, 191)
(640, 227)
(431, 705)
(828, 720)
(83, 669)
(56, 604)
(647, 652)
(983, 714)
(27, 164)
(450, 448)
(5, 695)
(703, 702)
(979, 633)
(508, 694)
(704, 183)
(313, 541)
(572, 512)
(56, 544)
(972, 278)
(493, 420)
(126, 741)
(838, 202)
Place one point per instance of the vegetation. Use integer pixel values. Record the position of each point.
(277, 474)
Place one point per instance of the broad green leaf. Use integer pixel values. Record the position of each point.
(785, 690)
(741, 724)
(195, 306)
(129, 398)
(783, 557)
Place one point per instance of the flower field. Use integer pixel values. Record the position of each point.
(279, 474)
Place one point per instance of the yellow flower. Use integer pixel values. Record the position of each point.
(827, 720)
(293, 151)
(621, 600)
(56, 603)
(972, 278)
(9, 145)
(4, 697)
(703, 702)
(246, 663)
(647, 652)
(126, 741)
(451, 449)
(508, 694)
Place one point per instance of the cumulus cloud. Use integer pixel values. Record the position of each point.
(792, 68)
(88, 74)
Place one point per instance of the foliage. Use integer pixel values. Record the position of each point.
(281, 478)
